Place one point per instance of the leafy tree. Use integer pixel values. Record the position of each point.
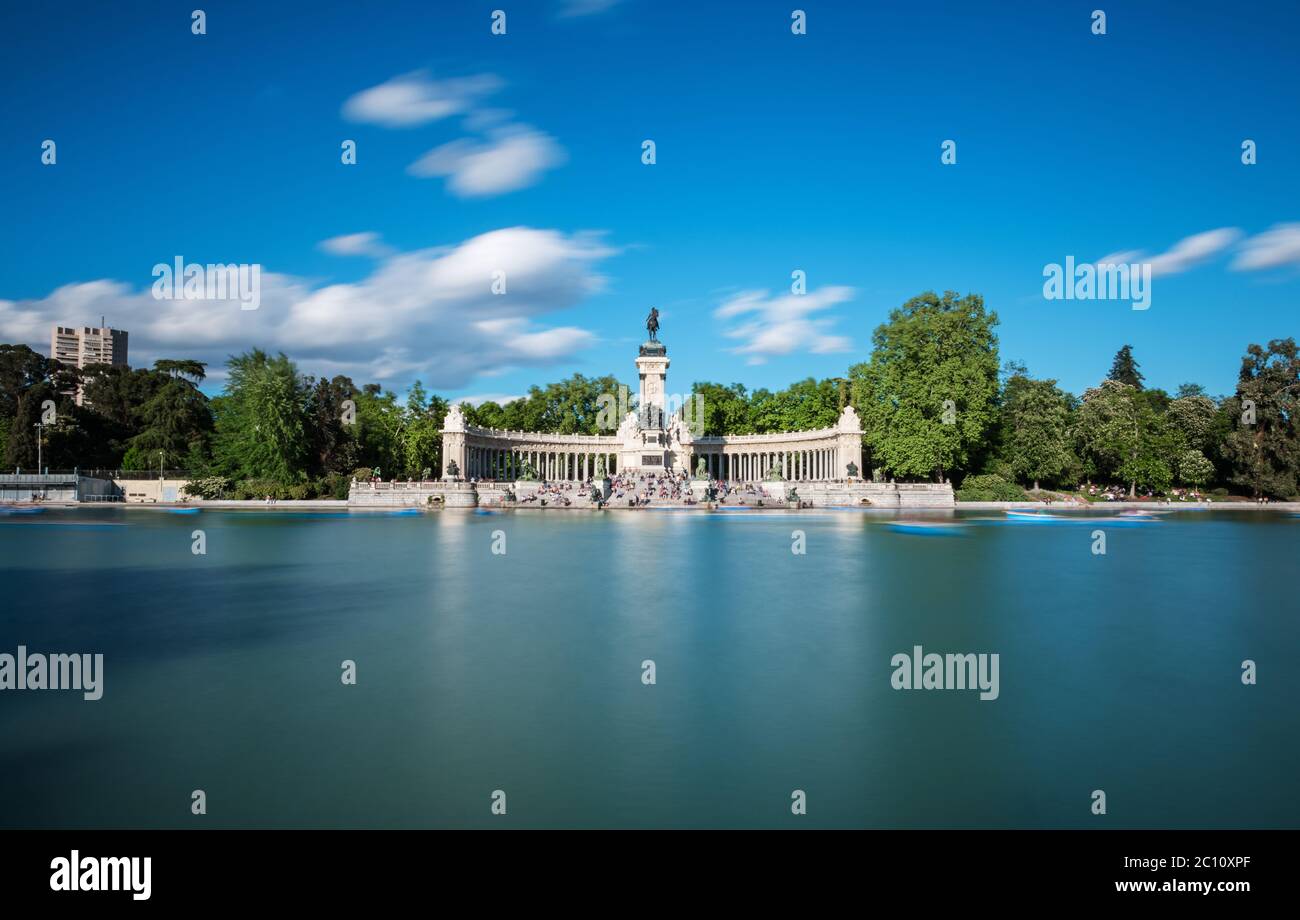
(726, 408)
(1035, 429)
(334, 447)
(422, 433)
(571, 406)
(20, 369)
(261, 419)
(927, 397)
(1194, 469)
(803, 406)
(1193, 415)
(1119, 434)
(20, 449)
(1125, 369)
(379, 429)
(1263, 446)
(175, 421)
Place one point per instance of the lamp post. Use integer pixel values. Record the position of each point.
(38, 427)
(160, 466)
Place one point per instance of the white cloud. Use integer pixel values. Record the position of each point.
(585, 7)
(1183, 255)
(429, 314)
(1274, 248)
(513, 158)
(357, 244)
(416, 98)
(783, 325)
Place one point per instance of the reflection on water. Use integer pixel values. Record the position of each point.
(521, 670)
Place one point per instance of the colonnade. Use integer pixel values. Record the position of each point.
(741, 464)
(735, 464)
(508, 463)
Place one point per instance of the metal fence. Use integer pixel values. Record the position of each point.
(121, 474)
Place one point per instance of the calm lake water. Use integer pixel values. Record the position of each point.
(522, 672)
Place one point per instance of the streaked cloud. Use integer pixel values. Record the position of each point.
(784, 324)
(1183, 255)
(1274, 248)
(429, 313)
(512, 158)
(357, 244)
(417, 98)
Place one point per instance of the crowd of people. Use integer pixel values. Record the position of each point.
(556, 493)
(1119, 493)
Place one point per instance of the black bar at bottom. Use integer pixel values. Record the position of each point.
(333, 869)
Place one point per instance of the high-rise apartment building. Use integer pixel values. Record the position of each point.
(80, 346)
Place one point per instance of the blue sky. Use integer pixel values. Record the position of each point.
(775, 152)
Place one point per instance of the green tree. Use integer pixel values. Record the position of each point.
(261, 430)
(1263, 446)
(726, 408)
(1124, 368)
(1035, 429)
(803, 406)
(379, 428)
(1193, 415)
(422, 433)
(175, 422)
(927, 397)
(1194, 469)
(1119, 434)
(571, 406)
(331, 431)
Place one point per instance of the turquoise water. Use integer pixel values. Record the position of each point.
(522, 672)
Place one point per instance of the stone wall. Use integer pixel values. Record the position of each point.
(412, 494)
(859, 494)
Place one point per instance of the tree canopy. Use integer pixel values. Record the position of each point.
(928, 394)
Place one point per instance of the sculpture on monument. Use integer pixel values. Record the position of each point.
(652, 324)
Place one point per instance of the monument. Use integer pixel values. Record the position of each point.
(491, 466)
(654, 439)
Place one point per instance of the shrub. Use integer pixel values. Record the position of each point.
(258, 489)
(989, 487)
(209, 487)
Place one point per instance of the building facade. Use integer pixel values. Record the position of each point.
(81, 346)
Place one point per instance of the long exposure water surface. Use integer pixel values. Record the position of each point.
(522, 671)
